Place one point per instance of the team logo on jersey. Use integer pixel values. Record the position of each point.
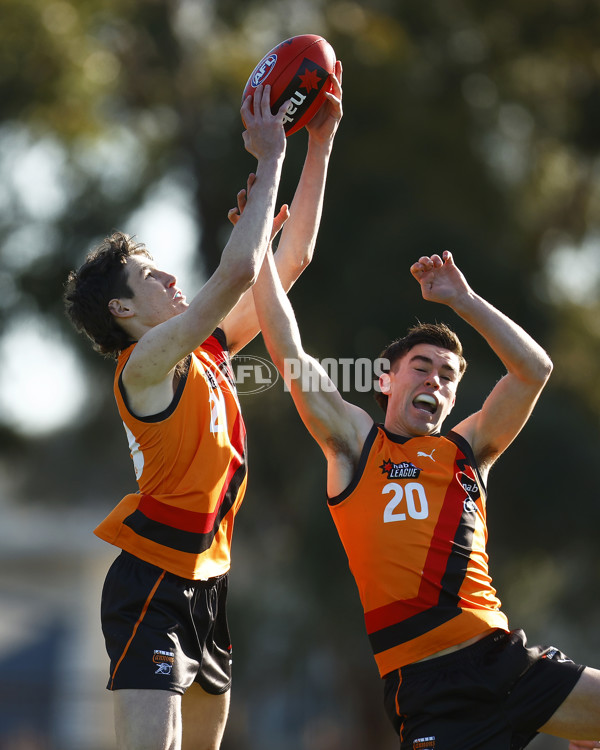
(404, 470)
(210, 378)
(470, 486)
(164, 661)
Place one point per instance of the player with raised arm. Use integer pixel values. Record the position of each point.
(409, 504)
(164, 598)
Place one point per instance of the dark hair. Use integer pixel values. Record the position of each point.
(437, 334)
(88, 291)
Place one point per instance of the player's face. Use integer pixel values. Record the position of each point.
(156, 297)
(422, 390)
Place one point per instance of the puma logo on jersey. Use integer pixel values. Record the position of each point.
(427, 455)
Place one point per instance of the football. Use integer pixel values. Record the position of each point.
(297, 69)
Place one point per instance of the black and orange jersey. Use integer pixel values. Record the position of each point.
(413, 524)
(190, 465)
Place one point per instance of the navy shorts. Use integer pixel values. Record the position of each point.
(163, 632)
(492, 695)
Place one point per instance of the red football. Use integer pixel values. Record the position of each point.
(297, 69)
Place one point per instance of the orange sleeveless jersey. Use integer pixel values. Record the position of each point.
(190, 464)
(413, 524)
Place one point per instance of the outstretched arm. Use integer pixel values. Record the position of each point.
(299, 235)
(340, 428)
(505, 411)
(149, 372)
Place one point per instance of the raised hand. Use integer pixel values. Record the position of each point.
(324, 124)
(440, 280)
(264, 136)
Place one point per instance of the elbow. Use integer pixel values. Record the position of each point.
(544, 369)
(305, 262)
(549, 367)
(243, 275)
(306, 258)
(534, 369)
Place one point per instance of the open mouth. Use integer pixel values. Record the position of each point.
(426, 402)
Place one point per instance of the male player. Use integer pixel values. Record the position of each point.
(163, 603)
(409, 506)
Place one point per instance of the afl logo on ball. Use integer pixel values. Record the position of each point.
(263, 69)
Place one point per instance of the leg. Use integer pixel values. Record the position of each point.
(151, 719)
(579, 715)
(147, 719)
(204, 718)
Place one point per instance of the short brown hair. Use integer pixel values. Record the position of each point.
(437, 334)
(89, 290)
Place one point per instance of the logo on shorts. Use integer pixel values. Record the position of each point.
(424, 743)
(164, 661)
(556, 655)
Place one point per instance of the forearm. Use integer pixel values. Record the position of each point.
(243, 254)
(245, 250)
(299, 235)
(276, 316)
(519, 352)
(296, 247)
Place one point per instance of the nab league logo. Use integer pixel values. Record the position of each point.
(404, 470)
(471, 488)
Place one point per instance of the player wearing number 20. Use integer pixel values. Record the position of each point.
(409, 506)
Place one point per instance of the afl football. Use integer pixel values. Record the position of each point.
(297, 69)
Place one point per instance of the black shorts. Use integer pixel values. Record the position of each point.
(492, 695)
(163, 632)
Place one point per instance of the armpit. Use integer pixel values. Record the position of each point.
(486, 456)
(340, 447)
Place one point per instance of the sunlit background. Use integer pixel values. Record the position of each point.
(468, 126)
